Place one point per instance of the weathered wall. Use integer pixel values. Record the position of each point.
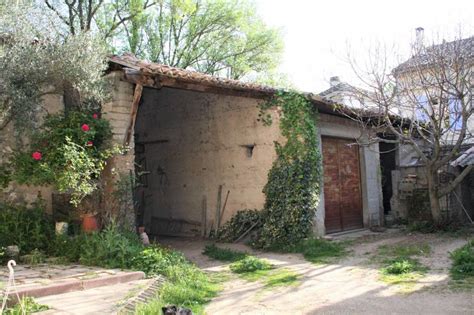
(193, 142)
(53, 103)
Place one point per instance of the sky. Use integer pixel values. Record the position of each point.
(317, 34)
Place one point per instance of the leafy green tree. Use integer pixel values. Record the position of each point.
(220, 37)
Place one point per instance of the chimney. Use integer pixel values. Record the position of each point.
(419, 35)
(333, 81)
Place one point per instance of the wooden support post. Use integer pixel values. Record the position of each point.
(137, 95)
(204, 217)
(217, 219)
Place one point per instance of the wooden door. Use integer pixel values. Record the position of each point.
(342, 192)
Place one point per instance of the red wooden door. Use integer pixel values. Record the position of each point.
(342, 192)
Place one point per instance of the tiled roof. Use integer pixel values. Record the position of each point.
(462, 46)
(193, 80)
(185, 75)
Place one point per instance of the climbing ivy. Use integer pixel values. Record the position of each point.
(292, 190)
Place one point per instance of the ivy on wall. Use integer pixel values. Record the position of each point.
(292, 190)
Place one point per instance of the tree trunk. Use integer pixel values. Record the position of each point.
(433, 191)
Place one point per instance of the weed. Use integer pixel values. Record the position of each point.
(250, 264)
(463, 262)
(27, 305)
(399, 266)
(223, 254)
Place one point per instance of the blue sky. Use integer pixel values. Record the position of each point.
(316, 33)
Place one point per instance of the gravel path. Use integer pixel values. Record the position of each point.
(349, 286)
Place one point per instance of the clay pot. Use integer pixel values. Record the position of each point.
(89, 223)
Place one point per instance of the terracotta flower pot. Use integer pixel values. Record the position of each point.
(89, 223)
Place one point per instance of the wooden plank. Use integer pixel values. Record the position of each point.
(218, 208)
(204, 216)
(137, 95)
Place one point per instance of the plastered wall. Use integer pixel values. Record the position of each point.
(193, 142)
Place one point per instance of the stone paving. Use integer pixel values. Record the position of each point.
(27, 276)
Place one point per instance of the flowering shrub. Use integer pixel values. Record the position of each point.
(69, 151)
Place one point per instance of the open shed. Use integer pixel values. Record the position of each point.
(202, 154)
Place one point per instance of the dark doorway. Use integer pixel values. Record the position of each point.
(387, 164)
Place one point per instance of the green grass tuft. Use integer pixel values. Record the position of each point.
(408, 250)
(223, 254)
(250, 264)
(463, 262)
(27, 305)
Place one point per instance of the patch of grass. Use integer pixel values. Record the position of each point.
(186, 285)
(282, 277)
(27, 305)
(404, 250)
(250, 264)
(223, 254)
(399, 266)
(315, 250)
(463, 262)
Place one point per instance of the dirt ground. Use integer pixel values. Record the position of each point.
(348, 286)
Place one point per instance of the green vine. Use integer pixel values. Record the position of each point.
(292, 190)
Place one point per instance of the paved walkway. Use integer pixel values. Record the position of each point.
(103, 300)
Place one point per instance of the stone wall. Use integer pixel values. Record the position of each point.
(193, 142)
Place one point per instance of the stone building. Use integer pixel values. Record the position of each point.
(201, 154)
(199, 145)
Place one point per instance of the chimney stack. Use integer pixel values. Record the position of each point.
(419, 35)
(333, 81)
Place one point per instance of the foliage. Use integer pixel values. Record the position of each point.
(250, 264)
(37, 59)
(109, 248)
(463, 262)
(224, 37)
(124, 212)
(156, 260)
(35, 257)
(399, 267)
(73, 150)
(3, 255)
(186, 285)
(223, 254)
(27, 305)
(28, 228)
(239, 223)
(292, 190)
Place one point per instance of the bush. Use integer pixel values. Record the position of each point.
(250, 264)
(463, 262)
(223, 254)
(28, 228)
(240, 223)
(27, 305)
(68, 151)
(157, 260)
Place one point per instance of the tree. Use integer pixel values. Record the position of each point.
(37, 59)
(223, 37)
(425, 102)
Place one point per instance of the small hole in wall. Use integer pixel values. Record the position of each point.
(249, 149)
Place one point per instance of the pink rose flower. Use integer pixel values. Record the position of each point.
(89, 143)
(95, 116)
(85, 128)
(36, 156)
